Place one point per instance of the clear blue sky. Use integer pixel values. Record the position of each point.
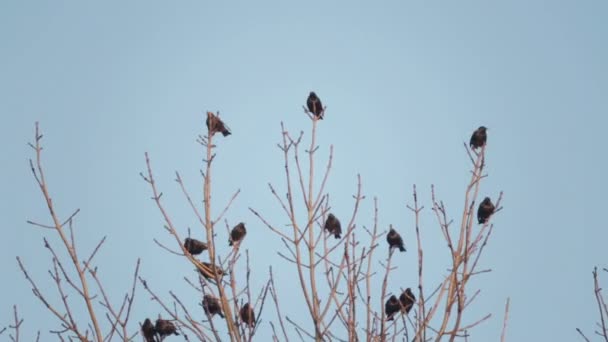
(405, 85)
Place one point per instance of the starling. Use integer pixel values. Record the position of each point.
(165, 328)
(148, 331)
(247, 315)
(215, 124)
(211, 305)
(194, 246)
(391, 307)
(332, 224)
(394, 240)
(206, 270)
(314, 105)
(479, 137)
(407, 300)
(486, 209)
(237, 234)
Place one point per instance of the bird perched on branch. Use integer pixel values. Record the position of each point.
(237, 234)
(394, 240)
(208, 270)
(479, 137)
(332, 225)
(247, 315)
(407, 300)
(148, 331)
(211, 305)
(165, 328)
(215, 124)
(485, 210)
(314, 105)
(194, 246)
(391, 307)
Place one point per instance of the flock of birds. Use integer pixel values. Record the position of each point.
(211, 304)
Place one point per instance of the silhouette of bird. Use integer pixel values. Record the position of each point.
(215, 124)
(485, 210)
(165, 328)
(148, 331)
(332, 224)
(237, 234)
(314, 105)
(394, 240)
(194, 246)
(391, 307)
(211, 305)
(479, 137)
(207, 270)
(407, 300)
(247, 315)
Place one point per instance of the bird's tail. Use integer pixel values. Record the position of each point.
(337, 235)
(226, 133)
(401, 248)
(229, 242)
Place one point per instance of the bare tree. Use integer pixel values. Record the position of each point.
(601, 329)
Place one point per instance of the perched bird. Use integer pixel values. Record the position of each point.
(215, 124)
(237, 234)
(314, 105)
(211, 305)
(332, 224)
(247, 315)
(391, 307)
(148, 331)
(479, 137)
(485, 210)
(407, 300)
(165, 328)
(194, 246)
(207, 270)
(394, 240)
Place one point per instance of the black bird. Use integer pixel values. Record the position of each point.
(207, 270)
(237, 234)
(215, 124)
(485, 210)
(194, 246)
(165, 328)
(479, 137)
(247, 315)
(407, 300)
(392, 306)
(332, 224)
(211, 305)
(314, 105)
(148, 331)
(394, 240)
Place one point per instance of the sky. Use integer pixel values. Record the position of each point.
(405, 84)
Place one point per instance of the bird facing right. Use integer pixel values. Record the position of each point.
(215, 124)
(211, 305)
(165, 328)
(479, 137)
(394, 240)
(485, 210)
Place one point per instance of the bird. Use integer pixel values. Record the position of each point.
(394, 240)
(485, 210)
(165, 328)
(332, 224)
(207, 270)
(407, 300)
(237, 234)
(391, 307)
(314, 105)
(148, 330)
(211, 305)
(247, 315)
(215, 124)
(479, 137)
(194, 246)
